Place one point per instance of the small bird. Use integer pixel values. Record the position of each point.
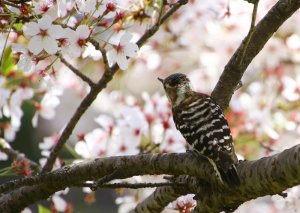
(202, 123)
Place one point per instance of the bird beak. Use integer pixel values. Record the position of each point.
(161, 80)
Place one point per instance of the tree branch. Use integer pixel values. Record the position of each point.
(237, 65)
(266, 176)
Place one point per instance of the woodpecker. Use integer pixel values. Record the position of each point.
(202, 123)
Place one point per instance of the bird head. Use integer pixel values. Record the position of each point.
(177, 87)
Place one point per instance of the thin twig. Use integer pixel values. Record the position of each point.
(10, 3)
(77, 72)
(163, 18)
(13, 155)
(104, 180)
(103, 52)
(251, 30)
(133, 185)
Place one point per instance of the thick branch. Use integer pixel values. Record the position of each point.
(237, 65)
(266, 176)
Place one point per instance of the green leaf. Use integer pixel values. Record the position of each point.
(42, 209)
(18, 26)
(7, 64)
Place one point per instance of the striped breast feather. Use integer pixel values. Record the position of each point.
(202, 117)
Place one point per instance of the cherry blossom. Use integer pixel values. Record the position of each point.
(93, 145)
(45, 7)
(106, 122)
(46, 146)
(86, 6)
(63, 6)
(44, 35)
(13, 109)
(78, 41)
(4, 94)
(26, 61)
(106, 8)
(131, 127)
(122, 50)
(184, 203)
(46, 108)
(59, 203)
(4, 144)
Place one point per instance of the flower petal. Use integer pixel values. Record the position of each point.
(83, 31)
(112, 56)
(31, 29)
(50, 45)
(59, 203)
(56, 31)
(131, 49)
(125, 38)
(73, 50)
(45, 22)
(35, 45)
(82, 149)
(122, 62)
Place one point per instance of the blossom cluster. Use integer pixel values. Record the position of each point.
(60, 29)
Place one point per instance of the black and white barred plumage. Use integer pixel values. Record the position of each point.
(202, 123)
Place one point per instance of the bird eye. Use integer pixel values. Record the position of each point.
(174, 82)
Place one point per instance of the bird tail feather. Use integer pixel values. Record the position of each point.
(230, 176)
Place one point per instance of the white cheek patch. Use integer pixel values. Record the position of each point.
(191, 86)
(181, 94)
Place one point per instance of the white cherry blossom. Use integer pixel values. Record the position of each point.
(94, 144)
(26, 61)
(77, 40)
(44, 35)
(121, 51)
(4, 94)
(46, 109)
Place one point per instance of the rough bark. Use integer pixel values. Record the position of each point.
(266, 176)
